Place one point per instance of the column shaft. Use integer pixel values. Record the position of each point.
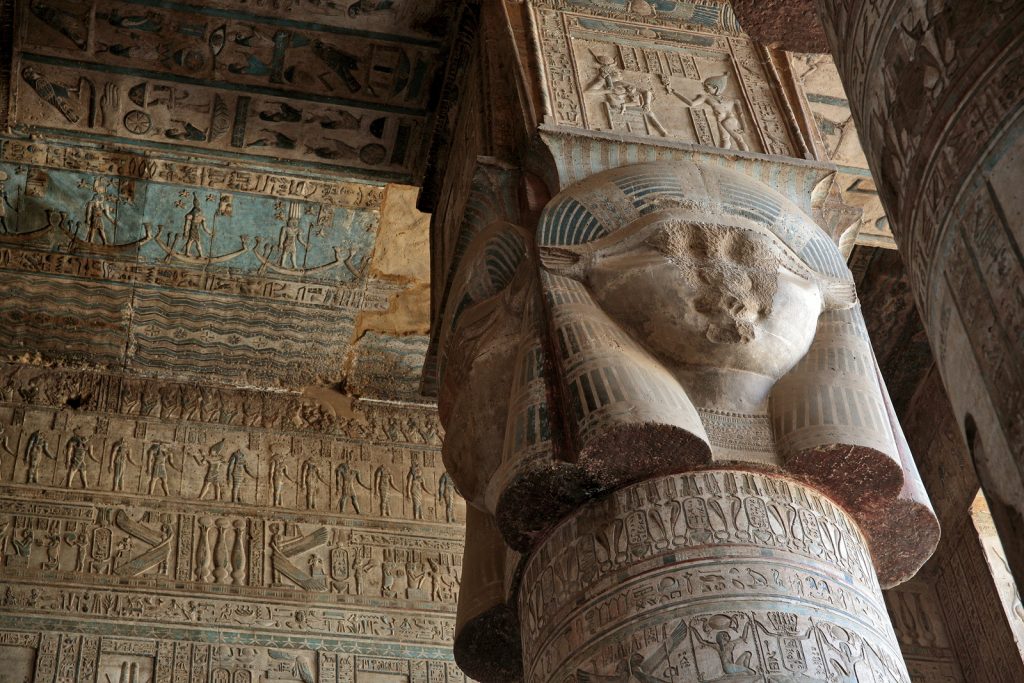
(937, 92)
(713, 576)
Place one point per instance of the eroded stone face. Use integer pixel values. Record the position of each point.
(717, 299)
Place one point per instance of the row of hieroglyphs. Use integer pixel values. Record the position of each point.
(297, 90)
(178, 402)
(715, 576)
(89, 543)
(70, 658)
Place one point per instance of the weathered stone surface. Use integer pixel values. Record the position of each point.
(487, 641)
(793, 25)
(747, 319)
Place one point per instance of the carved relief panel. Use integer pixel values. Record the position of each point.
(649, 580)
(152, 515)
(71, 658)
(827, 104)
(255, 84)
(127, 256)
(656, 82)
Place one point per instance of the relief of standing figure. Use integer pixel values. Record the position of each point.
(119, 453)
(383, 484)
(726, 110)
(237, 470)
(215, 461)
(77, 454)
(290, 238)
(310, 474)
(191, 229)
(346, 479)
(278, 476)
(96, 211)
(415, 487)
(446, 493)
(5, 445)
(36, 448)
(157, 462)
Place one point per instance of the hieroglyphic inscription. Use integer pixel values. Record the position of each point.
(937, 91)
(652, 579)
(208, 176)
(154, 514)
(233, 82)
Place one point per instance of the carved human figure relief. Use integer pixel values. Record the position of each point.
(77, 454)
(446, 493)
(120, 456)
(346, 479)
(310, 479)
(415, 487)
(238, 470)
(158, 460)
(278, 476)
(598, 77)
(383, 485)
(727, 111)
(36, 448)
(215, 461)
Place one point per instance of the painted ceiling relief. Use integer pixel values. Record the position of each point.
(827, 102)
(333, 85)
(215, 462)
(226, 275)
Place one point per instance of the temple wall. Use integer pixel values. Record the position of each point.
(195, 584)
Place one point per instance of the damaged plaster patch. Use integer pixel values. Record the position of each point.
(388, 345)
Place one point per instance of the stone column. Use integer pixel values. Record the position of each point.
(665, 397)
(937, 92)
(723, 575)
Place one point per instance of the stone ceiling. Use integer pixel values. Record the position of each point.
(219, 192)
(838, 137)
(331, 85)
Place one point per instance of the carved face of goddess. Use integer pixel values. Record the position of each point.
(708, 296)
